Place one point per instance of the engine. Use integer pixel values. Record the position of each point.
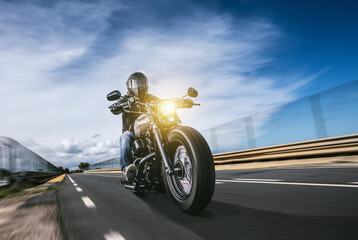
(139, 148)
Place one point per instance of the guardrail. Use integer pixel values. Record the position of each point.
(36, 177)
(341, 145)
(325, 147)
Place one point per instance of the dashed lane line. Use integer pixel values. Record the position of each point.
(113, 236)
(71, 179)
(88, 202)
(292, 183)
(85, 199)
(353, 182)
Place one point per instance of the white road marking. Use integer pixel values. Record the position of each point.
(353, 182)
(113, 236)
(317, 166)
(257, 179)
(88, 202)
(71, 179)
(293, 183)
(104, 175)
(219, 182)
(75, 184)
(79, 189)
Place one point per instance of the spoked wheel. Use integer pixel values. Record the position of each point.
(192, 185)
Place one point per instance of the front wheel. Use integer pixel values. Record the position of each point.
(192, 185)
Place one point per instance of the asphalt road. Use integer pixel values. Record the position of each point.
(279, 203)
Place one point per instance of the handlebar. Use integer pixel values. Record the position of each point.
(183, 103)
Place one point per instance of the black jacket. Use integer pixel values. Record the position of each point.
(129, 118)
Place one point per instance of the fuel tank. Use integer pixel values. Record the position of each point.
(141, 124)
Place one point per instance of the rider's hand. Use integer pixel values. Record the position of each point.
(116, 108)
(187, 103)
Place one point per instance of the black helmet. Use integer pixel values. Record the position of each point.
(137, 84)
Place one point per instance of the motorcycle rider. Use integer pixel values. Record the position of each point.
(137, 85)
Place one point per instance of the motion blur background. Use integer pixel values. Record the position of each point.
(59, 59)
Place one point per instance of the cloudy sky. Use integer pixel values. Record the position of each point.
(59, 59)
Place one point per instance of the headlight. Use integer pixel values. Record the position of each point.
(167, 108)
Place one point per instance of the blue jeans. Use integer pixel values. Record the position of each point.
(125, 154)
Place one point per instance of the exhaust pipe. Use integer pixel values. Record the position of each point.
(141, 167)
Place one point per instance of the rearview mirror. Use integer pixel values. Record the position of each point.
(115, 95)
(192, 92)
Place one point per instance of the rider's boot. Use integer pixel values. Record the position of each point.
(130, 171)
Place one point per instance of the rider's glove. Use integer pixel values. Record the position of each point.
(116, 108)
(187, 103)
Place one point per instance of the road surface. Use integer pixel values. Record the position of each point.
(271, 203)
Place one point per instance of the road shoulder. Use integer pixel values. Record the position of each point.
(32, 213)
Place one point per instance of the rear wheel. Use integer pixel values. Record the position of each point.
(192, 185)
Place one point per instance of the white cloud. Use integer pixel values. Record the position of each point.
(54, 111)
(215, 54)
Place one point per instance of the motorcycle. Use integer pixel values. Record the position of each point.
(169, 154)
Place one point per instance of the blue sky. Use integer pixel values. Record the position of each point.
(58, 60)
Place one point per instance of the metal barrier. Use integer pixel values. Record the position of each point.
(111, 163)
(17, 161)
(315, 148)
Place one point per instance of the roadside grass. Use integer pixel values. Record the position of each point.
(15, 190)
(26, 188)
(54, 188)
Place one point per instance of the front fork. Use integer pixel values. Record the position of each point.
(158, 139)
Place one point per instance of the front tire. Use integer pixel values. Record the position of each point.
(192, 185)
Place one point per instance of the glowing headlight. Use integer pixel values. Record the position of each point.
(167, 108)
